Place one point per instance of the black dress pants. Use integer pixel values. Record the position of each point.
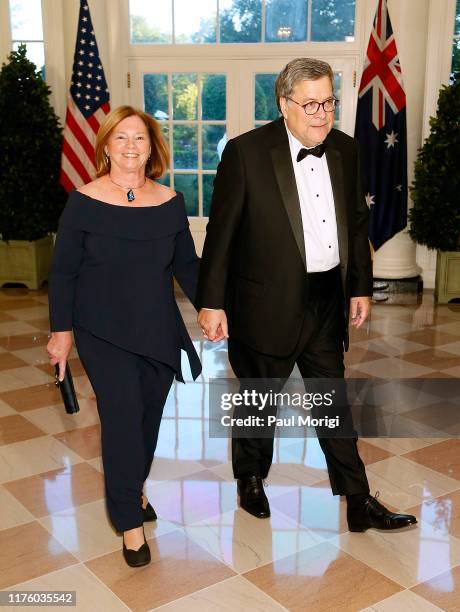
(131, 391)
(319, 354)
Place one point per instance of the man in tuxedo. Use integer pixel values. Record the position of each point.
(286, 264)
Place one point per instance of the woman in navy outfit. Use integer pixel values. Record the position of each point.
(121, 240)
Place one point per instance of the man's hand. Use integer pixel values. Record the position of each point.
(360, 308)
(58, 349)
(213, 324)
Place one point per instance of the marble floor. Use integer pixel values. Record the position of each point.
(207, 554)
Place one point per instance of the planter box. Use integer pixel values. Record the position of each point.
(447, 286)
(25, 262)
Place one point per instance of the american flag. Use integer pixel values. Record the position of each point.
(381, 132)
(87, 106)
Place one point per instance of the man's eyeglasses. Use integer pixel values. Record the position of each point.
(311, 108)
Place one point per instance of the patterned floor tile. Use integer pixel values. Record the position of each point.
(40, 554)
(57, 490)
(443, 590)
(201, 537)
(233, 595)
(322, 578)
(179, 567)
(16, 428)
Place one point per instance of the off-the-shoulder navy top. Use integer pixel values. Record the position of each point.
(112, 274)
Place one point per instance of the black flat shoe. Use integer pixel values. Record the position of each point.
(137, 558)
(371, 513)
(149, 513)
(252, 496)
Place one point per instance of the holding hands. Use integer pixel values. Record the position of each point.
(213, 324)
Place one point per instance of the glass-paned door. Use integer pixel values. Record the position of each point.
(191, 108)
(200, 104)
(195, 104)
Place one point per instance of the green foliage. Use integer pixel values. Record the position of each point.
(205, 34)
(156, 93)
(265, 99)
(214, 97)
(456, 57)
(435, 217)
(332, 19)
(142, 32)
(241, 23)
(185, 100)
(31, 198)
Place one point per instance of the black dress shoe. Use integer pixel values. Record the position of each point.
(137, 558)
(371, 513)
(149, 513)
(252, 496)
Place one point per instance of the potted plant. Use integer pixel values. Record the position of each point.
(31, 198)
(435, 216)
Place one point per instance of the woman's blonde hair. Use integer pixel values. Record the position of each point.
(158, 161)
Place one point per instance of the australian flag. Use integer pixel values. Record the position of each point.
(381, 132)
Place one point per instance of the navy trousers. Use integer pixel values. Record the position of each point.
(131, 392)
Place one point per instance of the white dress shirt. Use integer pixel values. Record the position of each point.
(317, 208)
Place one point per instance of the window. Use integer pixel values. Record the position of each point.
(241, 21)
(184, 58)
(27, 27)
(191, 108)
(456, 42)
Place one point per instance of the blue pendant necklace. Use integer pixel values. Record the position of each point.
(130, 190)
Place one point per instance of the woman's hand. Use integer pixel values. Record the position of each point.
(58, 349)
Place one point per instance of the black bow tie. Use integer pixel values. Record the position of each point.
(317, 151)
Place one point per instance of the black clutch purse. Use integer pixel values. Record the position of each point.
(67, 390)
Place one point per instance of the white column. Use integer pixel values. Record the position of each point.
(396, 258)
(53, 32)
(438, 65)
(5, 31)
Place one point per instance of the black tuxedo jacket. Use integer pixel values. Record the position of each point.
(254, 263)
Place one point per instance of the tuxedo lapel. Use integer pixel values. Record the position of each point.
(334, 162)
(284, 172)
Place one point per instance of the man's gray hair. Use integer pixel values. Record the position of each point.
(300, 69)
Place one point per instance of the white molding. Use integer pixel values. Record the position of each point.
(117, 66)
(245, 50)
(53, 34)
(441, 21)
(5, 30)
